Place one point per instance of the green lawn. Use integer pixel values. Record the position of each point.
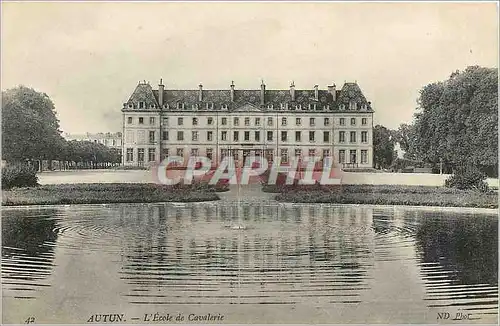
(99, 193)
(385, 195)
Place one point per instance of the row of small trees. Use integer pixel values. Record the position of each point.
(30, 133)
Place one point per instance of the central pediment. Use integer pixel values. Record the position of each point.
(247, 107)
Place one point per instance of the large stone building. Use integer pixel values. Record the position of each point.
(112, 140)
(217, 123)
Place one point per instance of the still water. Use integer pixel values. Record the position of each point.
(249, 262)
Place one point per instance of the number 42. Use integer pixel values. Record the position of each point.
(30, 320)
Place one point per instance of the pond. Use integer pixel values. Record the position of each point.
(249, 263)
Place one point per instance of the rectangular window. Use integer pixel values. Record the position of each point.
(195, 121)
(364, 156)
(141, 136)
(210, 135)
(298, 152)
(209, 153)
(341, 136)
(129, 120)
(210, 121)
(180, 121)
(141, 120)
(284, 136)
(151, 120)
(342, 156)
(247, 135)
(223, 135)
(342, 121)
(283, 121)
(364, 121)
(284, 155)
(352, 137)
(140, 154)
(152, 154)
(224, 121)
(298, 121)
(165, 121)
(269, 136)
(353, 121)
(130, 154)
(194, 151)
(247, 121)
(311, 136)
(352, 155)
(180, 152)
(257, 136)
(364, 136)
(327, 121)
(236, 136)
(142, 105)
(312, 121)
(236, 121)
(165, 152)
(180, 135)
(151, 137)
(269, 121)
(165, 135)
(326, 153)
(326, 136)
(257, 121)
(312, 152)
(298, 136)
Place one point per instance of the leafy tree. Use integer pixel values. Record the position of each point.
(30, 129)
(383, 146)
(457, 119)
(405, 136)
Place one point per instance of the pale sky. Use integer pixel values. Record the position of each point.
(88, 57)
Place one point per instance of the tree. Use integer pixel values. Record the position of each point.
(457, 119)
(30, 129)
(383, 147)
(405, 136)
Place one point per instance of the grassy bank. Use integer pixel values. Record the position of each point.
(385, 195)
(100, 193)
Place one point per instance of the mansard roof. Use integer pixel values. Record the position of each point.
(143, 93)
(350, 92)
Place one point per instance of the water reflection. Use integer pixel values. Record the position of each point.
(283, 256)
(27, 253)
(459, 260)
(290, 255)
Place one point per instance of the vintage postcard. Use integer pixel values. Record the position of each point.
(249, 162)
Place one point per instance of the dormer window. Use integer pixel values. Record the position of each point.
(352, 105)
(179, 106)
(281, 106)
(130, 106)
(152, 106)
(224, 106)
(195, 106)
(142, 105)
(269, 106)
(364, 107)
(342, 106)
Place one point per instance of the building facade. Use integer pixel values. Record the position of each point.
(217, 123)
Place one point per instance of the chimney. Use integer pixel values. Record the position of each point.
(315, 92)
(332, 89)
(232, 91)
(200, 92)
(292, 91)
(262, 93)
(161, 88)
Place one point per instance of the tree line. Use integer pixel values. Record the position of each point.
(30, 134)
(455, 124)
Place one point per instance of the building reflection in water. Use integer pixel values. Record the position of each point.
(286, 254)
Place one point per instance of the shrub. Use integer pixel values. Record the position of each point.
(18, 175)
(467, 178)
